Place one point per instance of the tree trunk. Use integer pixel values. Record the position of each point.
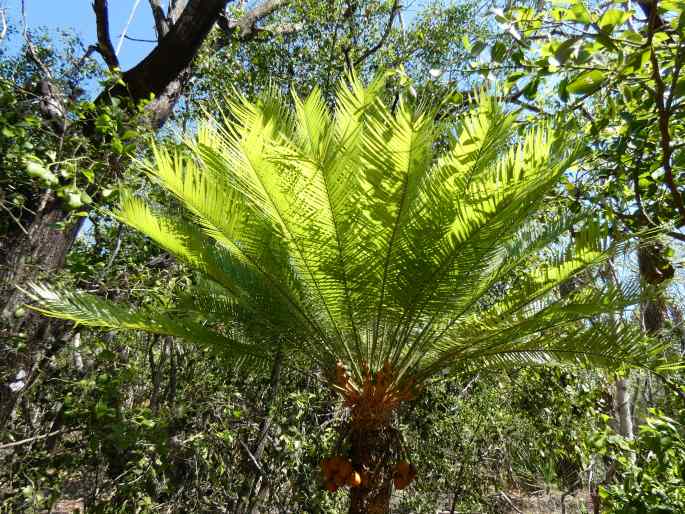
(371, 450)
(623, 410)
(44, 247)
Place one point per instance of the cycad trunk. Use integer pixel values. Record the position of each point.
(371, 453)
(374, 444)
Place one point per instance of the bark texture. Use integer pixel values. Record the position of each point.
(24, 256)
(174, 53)
(371, 453)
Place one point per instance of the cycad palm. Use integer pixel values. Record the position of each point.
(346, 239)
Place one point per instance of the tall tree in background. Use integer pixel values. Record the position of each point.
(345, 239)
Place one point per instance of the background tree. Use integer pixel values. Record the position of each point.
(146, 422)
(158, 81)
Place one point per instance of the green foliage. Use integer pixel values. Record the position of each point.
(150, 424)
(321, 40)
(615, 77)
(53, 139)
(650, 469)
(312, 229)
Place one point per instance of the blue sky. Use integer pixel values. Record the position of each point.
(78, 15)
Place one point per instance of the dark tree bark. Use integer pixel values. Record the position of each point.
(174, 53)
(371, 449)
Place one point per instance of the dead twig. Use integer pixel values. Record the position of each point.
(257, 466)
(32, 439)
(511, 504)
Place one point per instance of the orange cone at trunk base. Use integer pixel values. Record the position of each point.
(354, 480)
(338, 472)
(404, 474)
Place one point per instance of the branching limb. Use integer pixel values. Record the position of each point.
(104, 46)
(51, 102)
(174, 53)
(175, 9)
(30, 49)
(246, 29)
(161, 22)
(394, 11)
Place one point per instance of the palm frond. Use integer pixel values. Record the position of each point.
(369, 233)
(92, 311)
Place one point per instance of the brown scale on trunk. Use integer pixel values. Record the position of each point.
(374, 443)
(374, 400)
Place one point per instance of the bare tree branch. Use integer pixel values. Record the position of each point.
(31, 439)
(30, 49)
(161, 22)
(676, 235)
(139, 40)
(105, 47)
(393, 14)
(51, 102)
(245, 28)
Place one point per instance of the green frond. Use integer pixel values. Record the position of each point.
(92, 311)
(605, 344)
(366, 233)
